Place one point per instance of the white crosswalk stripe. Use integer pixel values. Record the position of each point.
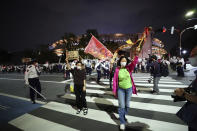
(157, 112)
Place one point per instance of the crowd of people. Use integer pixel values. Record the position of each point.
(102, 67)
(119, 73)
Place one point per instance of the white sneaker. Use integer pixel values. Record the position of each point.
(122, 126)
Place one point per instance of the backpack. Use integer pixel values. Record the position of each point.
(164, 69)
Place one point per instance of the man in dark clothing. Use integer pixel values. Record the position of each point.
(155, 72)
(98, 69)
(79, 76)
(112, 70)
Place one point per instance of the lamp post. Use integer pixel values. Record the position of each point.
(193, 27)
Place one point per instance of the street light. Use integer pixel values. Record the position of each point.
(189, 13)
(192, 27)
(184, 52)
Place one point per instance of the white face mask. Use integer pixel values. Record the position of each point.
(79, 67)
(123, 64)
(193, 60)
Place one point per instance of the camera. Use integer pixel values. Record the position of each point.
(181, 98)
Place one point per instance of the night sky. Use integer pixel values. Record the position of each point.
(29, 23)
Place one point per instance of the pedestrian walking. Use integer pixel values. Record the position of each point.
(123, 86)
(32, 78)
(155, 72)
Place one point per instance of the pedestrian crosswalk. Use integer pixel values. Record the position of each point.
(148, 112)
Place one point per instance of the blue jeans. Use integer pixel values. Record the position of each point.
(124, 97)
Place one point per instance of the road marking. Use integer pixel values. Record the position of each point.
(103, 116)
(21, 98)
(61, 82)
(136, 105)
(29, 122)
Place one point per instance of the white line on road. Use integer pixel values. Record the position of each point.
(137, 105)
(61, 82)
(29, 122)
(21, 98)
(103, 116)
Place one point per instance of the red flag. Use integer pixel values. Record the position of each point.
(97, 49)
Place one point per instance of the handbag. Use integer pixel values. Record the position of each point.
(188, 113)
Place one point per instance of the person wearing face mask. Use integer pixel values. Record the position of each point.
(79, 76)
(123, 86)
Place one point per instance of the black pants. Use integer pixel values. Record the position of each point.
(135, 70)
(34, 83)
(67, 74)
(110, 79)
(98, 76)
(80, 96)
(180, 71)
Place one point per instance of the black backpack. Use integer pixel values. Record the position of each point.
(164, 69)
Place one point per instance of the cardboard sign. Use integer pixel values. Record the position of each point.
(72, 55)
(26, 60)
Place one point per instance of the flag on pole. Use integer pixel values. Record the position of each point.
(97, 49)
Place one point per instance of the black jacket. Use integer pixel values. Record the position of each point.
(155, 69)
(79, 76)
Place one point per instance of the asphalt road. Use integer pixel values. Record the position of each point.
(150, 110)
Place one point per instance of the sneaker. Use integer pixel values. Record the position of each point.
(85, 111)
(152, 91)
(122, 126)
(155, 93)
(78, 111)
(33, 102)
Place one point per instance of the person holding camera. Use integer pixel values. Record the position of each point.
(188, 113)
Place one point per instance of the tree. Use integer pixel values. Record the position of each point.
(70, 39)
(91, 32)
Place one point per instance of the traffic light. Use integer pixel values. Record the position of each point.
(163, 29)
(172, 30)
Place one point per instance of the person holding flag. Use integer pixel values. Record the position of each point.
(123, 83)
(123, 86)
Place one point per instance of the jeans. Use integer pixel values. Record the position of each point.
(155, 84)
(124, 97)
